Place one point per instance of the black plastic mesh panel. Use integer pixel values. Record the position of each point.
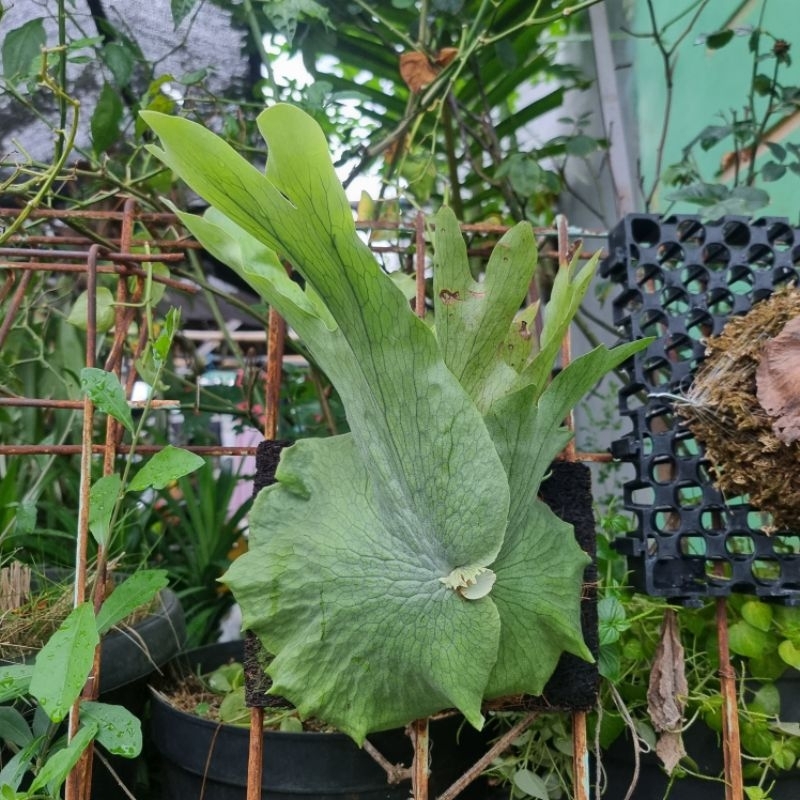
(681, 280)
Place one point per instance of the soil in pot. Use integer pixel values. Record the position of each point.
(201, 758)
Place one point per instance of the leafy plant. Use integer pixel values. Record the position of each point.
(739, 185)
(52, 685)
(429, 574)
(55, 683)
(219, 695)
(194, 533)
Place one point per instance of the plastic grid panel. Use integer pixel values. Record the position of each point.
(681, 280)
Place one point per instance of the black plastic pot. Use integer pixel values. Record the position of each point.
(208, 760)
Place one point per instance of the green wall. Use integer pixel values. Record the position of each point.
(706, 83)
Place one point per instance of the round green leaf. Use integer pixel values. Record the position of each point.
(789, 653)
(757, 614)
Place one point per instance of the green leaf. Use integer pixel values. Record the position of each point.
(135, 591)
(712, 134)
(106, 119)
(180, 10)
(121, 60)
(531, 784)
(22, 47)
(612, 619)
(789, 653)
(165, 467)
(772, 171)
(118, 730)
(105, 310)
(762, 85)
(758, 614)
(745, 640)
(473, 318)
(14, 681)
(767, 700)
(63, 664)
(16, 768)
(103, 498)
(378, 589)
(778, 152)
(14, 728)
(582, 145)
(55, 770)
(523, 172)
(106, 392)
(718, 40)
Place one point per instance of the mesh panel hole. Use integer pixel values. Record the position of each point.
(759, 520)
(760, 256)
(720, 302)
(719, 570)
(662, 470)
(714, 519)
(667, 521)
(685, 446)
(740, 545)
(643, 496)
(660, 419)
(716, 256)
(695, 279)
(650, 278)
(675, 300)
(736, 234)
(700, 324)
(703, 473)
(634, 400)
(766, 569)
(670, 255)
(690, 231)
(689, 495)
(645, 232)
(680, 348)
(780, 236)
(784, 275)
(693, 546)
(786, 545)
(653, 323)
(631, 301)
(657, 371)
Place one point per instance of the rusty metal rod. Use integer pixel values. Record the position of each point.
(731, 742)
(75, 784)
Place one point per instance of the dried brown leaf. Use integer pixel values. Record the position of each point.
(778, 382)
(666, 694)
(417, 71)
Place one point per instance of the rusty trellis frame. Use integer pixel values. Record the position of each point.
(89, 254)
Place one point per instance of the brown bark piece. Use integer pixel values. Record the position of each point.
(778, 382)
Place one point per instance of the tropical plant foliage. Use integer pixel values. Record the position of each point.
(407, 566)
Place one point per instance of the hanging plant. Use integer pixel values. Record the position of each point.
(406, 567)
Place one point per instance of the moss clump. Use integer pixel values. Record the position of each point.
(723, 412)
